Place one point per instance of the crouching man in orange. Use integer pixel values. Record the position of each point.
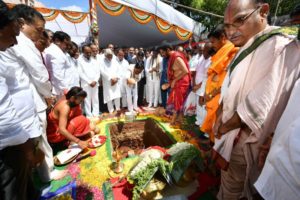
(66, 122)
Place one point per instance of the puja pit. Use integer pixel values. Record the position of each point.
(133, 137)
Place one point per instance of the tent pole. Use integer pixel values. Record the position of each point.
(91, 9)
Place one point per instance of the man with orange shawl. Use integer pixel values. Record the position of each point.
(179, 78)
(225, 52)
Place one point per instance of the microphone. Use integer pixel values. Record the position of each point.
(81, 157)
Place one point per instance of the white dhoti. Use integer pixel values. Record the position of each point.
(113, 105)
(47, 166)
(91, 102)
(132, 94)
(153, 91)
(200, 113)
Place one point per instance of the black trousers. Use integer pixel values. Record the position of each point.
(102, 106)
(141, 86)
(15, 175)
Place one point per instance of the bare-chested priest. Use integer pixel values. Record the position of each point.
(179, 78)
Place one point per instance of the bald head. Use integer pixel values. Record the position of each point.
(244, 19)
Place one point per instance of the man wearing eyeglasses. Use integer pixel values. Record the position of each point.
(259, 83)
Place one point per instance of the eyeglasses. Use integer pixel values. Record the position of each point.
(240, 21)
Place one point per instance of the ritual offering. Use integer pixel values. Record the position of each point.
(67, 156)
(131, 81)
(182, 155)
(130, 116)
(116, 166)
(97, 141)
(144, 175)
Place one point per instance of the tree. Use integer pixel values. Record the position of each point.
(218, 7)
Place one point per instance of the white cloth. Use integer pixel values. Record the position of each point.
(280, 177)
(132, 90)
(89, 71)
(201, 72)
(189, 107)
(44, 170)
(11, 130)
(110, 70)
(25, 54)
(123, 68)
(72, 72)
(201, 77)
(113, 105)
(91, 102)
(57, 64)
(22, 96)
(194, 61)
(153, 79)
(200, 113)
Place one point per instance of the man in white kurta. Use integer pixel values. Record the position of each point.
(25, 55)
(123, 67)
(153, 68)
(200, 83)
(258, 91)
(73, 78)
(132, 77)
(280, 176)
(89, 71)
(111, 77)
(57, 63)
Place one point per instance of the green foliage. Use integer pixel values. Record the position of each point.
(218, 7)
(285, 6)
(142, 178)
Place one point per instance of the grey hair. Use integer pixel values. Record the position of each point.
(108, 52)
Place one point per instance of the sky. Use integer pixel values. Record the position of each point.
(74, 5)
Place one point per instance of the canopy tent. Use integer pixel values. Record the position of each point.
(141, 23)
(76, 24)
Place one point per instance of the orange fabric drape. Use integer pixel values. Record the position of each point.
(216, 75)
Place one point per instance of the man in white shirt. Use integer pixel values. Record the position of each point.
(89, 72)
(196, 58)
(279, 178)
(153, 68)
(111, 78)
(18, 153)
(123, 69)
(27, 60)
(200, 83)
(72, 71)
(95, 52)
(132, 77)
(57, 63)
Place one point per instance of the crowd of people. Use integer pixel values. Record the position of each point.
(244, 76)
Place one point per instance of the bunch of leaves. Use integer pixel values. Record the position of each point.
(182, 159)
(143, 177)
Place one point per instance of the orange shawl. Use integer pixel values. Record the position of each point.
(216, 75)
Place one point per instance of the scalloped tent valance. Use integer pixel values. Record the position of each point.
(51, 14)
(76, 24)
(151, 22)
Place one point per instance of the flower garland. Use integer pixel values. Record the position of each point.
(179, 147)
